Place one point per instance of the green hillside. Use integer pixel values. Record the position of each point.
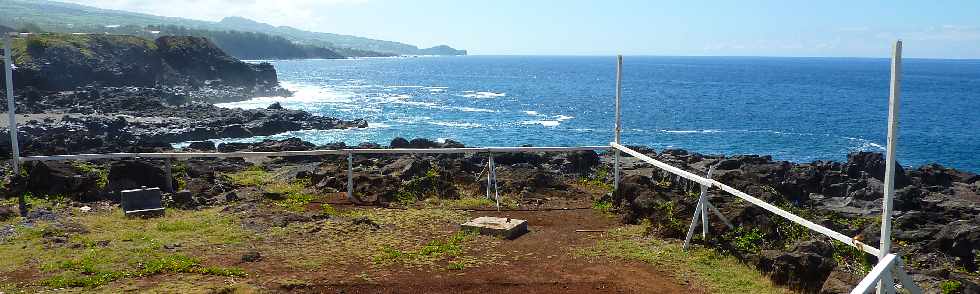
(66, 17)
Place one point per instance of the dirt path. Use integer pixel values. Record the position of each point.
(542, 261)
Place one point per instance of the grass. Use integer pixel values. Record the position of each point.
(102, 247)
(951, 286)
(253, 176)
(434, 250)
(745, 240)
(86, 272)
(90, 168)
(598, 181)
(720, 273)
(419, 188)
(83, 44)
(294, 194)
(291, 195)
(403, 238)
(603, 206)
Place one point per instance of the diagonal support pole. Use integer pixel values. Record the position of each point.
(888, 265)
(701, 211)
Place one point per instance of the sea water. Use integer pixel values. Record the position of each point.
(796, 109)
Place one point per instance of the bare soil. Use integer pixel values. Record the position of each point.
(541, 261)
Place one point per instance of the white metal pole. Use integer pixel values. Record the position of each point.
(493, 174)
(11, 110)
(886, 284)
(489, 173)
(619, 127)
(350, 176)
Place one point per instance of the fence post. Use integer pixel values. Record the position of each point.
(493, 174)
(489, 173)
(886, 284)
(619, 127)
(168, 171)
(350, 176)
(11, 108)
(701, 211)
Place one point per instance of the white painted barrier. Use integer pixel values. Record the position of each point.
(756, 201)
(249, 154)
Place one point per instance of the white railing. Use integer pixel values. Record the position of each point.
(248, 154)
(491, 167)
(888, 262)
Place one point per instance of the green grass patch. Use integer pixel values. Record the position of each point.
(603, 206)
(88, 272)
(745, 240)
(253, 176)
(718, 272)
(90, 168)
(112, 246)
(599, 180)
(451, 246)
(950, 286)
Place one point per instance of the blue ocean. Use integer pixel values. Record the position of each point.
(796, 109)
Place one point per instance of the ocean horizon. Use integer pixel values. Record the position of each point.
(799, 109)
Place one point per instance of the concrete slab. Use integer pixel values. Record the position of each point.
(497, 226)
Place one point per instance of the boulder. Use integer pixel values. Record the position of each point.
(60, 178)
(291, 144)
(399, 142)
(873, 164)
(960, 239)
(423, 143)
(184, 199)
(452, 144)
(407, 168)
(202, 146)
(807, 265)
(8, 212)
(132, 174)
(582, 161)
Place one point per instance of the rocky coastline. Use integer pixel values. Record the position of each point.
(937, 209)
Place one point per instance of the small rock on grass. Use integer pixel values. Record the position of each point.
(252, 256)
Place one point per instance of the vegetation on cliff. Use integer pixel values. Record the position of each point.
(266, 40)
(51, 61)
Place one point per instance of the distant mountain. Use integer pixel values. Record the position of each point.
(335, 40)
(67, 17)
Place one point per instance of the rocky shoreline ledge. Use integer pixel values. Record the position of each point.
(113, 93)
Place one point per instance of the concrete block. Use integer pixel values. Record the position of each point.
(497, 226)
(145, 202)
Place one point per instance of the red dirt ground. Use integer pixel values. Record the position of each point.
(541, 261)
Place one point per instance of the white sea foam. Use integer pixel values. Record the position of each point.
(473, 109)
(456, 124)
(531, 112)
(691, 131)
(483, 95)
(563, 117)
(304, 96)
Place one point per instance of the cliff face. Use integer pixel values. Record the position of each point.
(56, 62)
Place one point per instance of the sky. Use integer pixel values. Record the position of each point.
(832, 28)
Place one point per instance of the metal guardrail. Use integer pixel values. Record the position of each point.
(708, 183)
(491, 175)
(248, 154)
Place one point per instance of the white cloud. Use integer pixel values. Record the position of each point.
(297, 13)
